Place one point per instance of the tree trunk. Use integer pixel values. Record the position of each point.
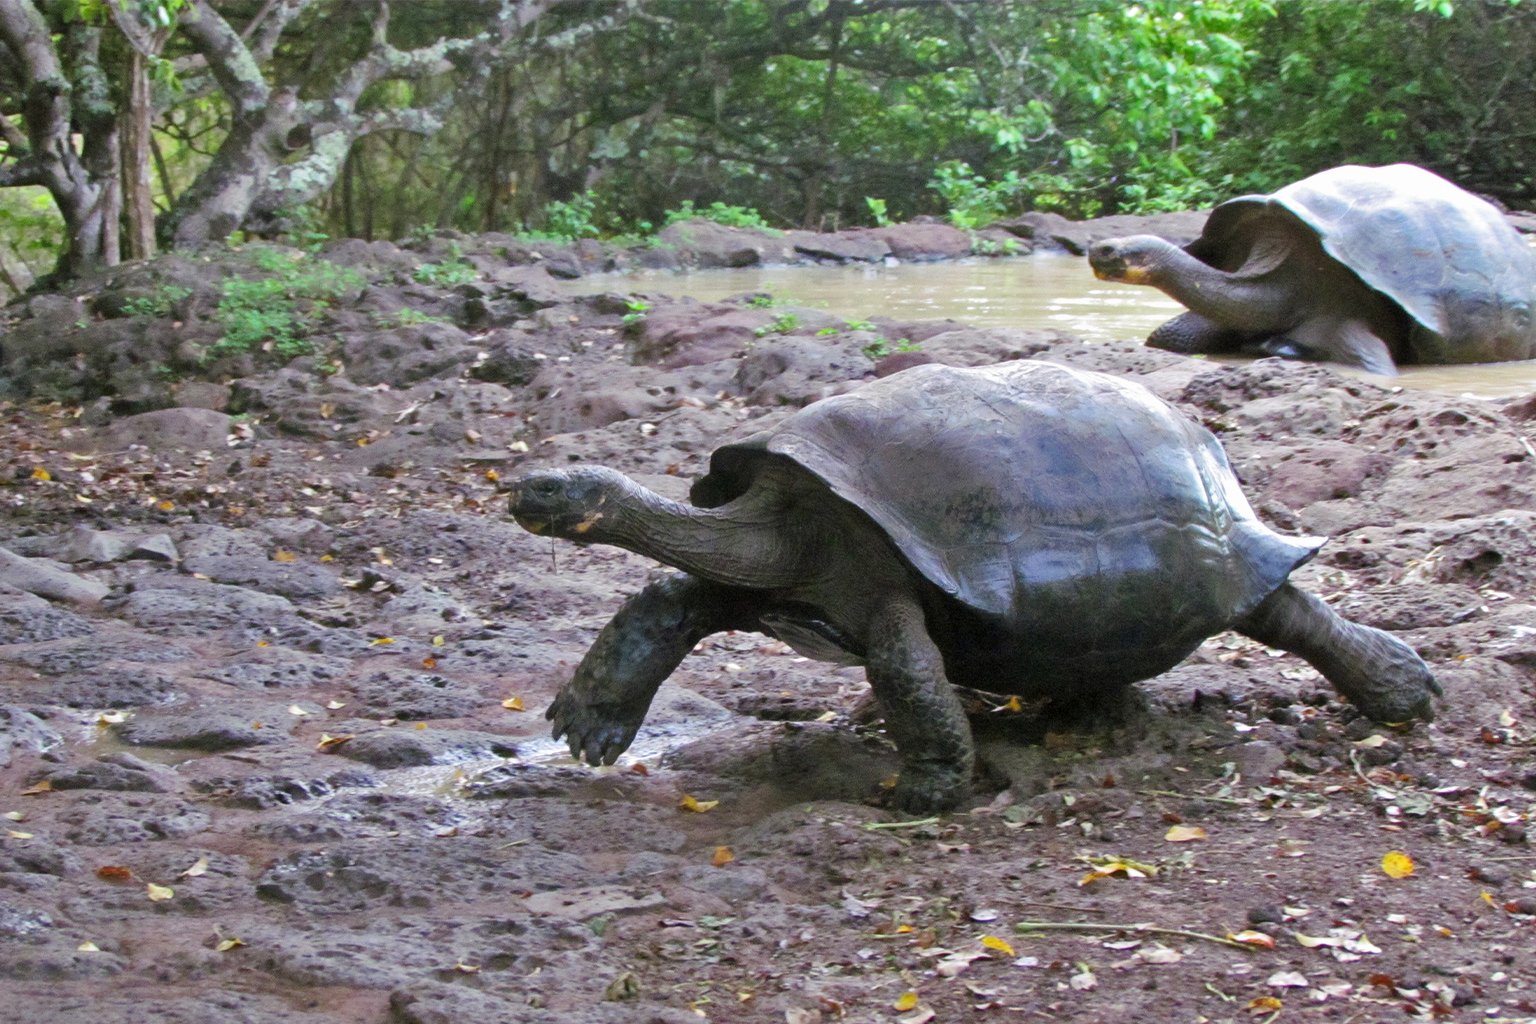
(138, 202)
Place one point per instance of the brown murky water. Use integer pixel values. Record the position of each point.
(1040, 291)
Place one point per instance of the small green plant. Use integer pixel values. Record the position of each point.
(826, 332)
(991, 247)
(572, 218)
(637, 310)
(762, 301)
(406, 318)
(859, 325)
(880, 348)
(878, 212)
(447, 274)
(157, 303)
(274, 312)
(782, 323)
(720, 213)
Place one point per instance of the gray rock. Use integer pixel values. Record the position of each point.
(919, 242)
(184, 429)
(28, 619)
(129, 818)
(48, 579)
(23, 732)
(204, 728)
(183, 606)
(407, 747)
(296, 580)
(119, 775)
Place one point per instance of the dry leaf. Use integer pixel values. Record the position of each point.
(905, 1002)
(88, 947)
(381, 641)
(438, 641)
(296, 711)
(283, 555)
(429, 663)
(1249, 937)
(1397, 864)
(39, 473)
(329, 742)
(199, 868)
(688, 803)
(1265, 1004)
(42, 787)
(13, 834)
(114, 873)
(1184, 834)
(516, 704)
(1288, 979)
(228, 944)
(722, 857)
(159, 893)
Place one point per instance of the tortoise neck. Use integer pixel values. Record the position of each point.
(1245, 301)
(742, 544)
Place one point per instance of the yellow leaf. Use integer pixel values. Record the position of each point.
(688, 803)
(283, 555)
(996, 944)
(1487, 897)
(516, 704)
(42, 787)
(13, 816)
(39, 473)
(262, 643)
(329, 742)
(429, 663)
(722, 857)
(327, 558)
(88, 947)
(199, 868)
(438, 641)
(13, 834)
(492, 475)
(335, 705)
(381, 641)
(1265, 1004)
(296, 711)
(1184, 834)
(1397, 864)
(228, 944)
(166, 506)
(1014, 705)
(159, 893)
(905, 1002)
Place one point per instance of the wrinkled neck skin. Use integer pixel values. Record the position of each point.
(741, 544)
(1245, 302)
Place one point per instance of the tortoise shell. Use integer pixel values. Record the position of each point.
(1067, 518)
(1448, 259)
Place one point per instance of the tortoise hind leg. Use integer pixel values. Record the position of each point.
(923, 715)
(1377, 672)
(601, 708)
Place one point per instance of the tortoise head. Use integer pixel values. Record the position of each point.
(564, 502)
(1133, 260)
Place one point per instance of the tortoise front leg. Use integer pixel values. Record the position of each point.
(1191, 333)
(923, 714)
(601, 708)
(1377, 672)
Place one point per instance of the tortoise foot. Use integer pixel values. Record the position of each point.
(595, 733)
(928, 789)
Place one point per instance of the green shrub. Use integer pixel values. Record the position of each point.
(783, 323)
(720, 213)
(274, 313)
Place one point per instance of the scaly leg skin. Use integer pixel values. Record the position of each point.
(601, 708)
(923, 714)
(1377, 672)
(1189, 333)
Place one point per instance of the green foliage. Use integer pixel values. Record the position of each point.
(720, 213)
(763, 301)
(637, 308)
(782, 323)
(157, 303)
(877, 210)
(971, 200)
(880, 347)
(274, 313)
(447, 274)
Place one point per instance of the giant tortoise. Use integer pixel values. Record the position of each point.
(1366, 266)
(1024, 528)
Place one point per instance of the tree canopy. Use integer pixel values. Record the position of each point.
(130, 123)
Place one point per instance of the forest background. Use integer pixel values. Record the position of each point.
(131, 126)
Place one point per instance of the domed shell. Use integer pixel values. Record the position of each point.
(1451, 261)
(1041, 496)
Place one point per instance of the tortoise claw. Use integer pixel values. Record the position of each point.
(596, 734)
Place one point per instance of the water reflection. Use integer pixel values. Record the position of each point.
(1040, 291)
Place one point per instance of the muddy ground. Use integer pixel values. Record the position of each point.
(273, 663)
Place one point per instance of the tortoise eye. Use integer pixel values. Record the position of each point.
(545, 488)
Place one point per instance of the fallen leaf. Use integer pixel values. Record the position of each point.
(329, 742)
(282, 555)
(1184, 834)
(198, 868)
(722, 857)
(381, 641)
(438, 641)
(1397, 864)
(336, 705)
(1288, 979)
(429, 663)
(1264, 1004)
(228, 944)
(1249, 937)
(1159, 954)
(296, 711)
(638, 768)
(13, 816)
(922, 1016)
(516, 704)
(42, 787)
(999, 945)
(159, 893)
(13, 834)
(114, 873)
(688, 803)
(88, 947)
(905, 1002)
(39, 473)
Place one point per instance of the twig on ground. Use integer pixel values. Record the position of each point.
(873, 825)
(1234, 801)
(1139, 929)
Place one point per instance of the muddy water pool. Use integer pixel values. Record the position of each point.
(1038, 291)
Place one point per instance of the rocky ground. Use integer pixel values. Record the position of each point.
(273, 663)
